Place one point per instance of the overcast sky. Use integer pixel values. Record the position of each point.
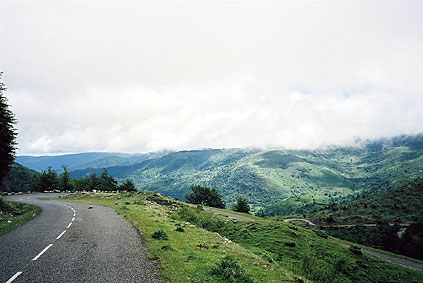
(146, 76)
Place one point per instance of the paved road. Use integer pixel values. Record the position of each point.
(232, 215)
(98, 246)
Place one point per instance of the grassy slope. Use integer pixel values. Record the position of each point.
(264, 248)
(186, 256)
(401, 205)
(308, 179)
(14, 214)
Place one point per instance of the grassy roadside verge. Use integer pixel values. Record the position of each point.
(14, 214)
(190, 254)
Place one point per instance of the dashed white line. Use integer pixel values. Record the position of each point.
(43, 251)
(61, 234)
(14, 277)
(73, 219)
(69, 225)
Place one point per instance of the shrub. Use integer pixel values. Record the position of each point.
(241, 205)
(205, 196)
(356, 250)
(160, 235)
(230, 271)
(180, 229)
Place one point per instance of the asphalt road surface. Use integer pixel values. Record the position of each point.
(73, 242)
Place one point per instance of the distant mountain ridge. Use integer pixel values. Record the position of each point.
(300, 177)
(85, 160)
(281, 181)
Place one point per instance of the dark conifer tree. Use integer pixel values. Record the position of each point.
(7, 134)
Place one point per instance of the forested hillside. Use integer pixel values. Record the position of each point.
(284, 181)
(19, 179)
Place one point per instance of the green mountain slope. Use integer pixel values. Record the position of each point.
(286, 181)
(19, 179)
(400, 205)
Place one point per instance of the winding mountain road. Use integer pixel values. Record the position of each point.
(74, 242)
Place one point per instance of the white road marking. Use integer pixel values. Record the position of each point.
(58, 237)
(74, 214)
(14, 277)
(73, 219)
(43, 251)
(69, 225)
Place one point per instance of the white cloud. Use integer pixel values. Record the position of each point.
(142, 76)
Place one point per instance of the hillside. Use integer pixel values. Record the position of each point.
(186, 240)
(306, 180)
(400, 205)
(39, 163)
(19, 179)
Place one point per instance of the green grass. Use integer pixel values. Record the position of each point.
(14, 214)
(187, 256)
(268, 250)
(304, 252)
(401, 205)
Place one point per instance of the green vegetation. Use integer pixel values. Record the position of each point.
(228, 270)
(407, 240)
(189, 256)
(205, 196)
(398, 206)
(401, 205)
(267, 250)
(241, 205)
(160, 235)
(7, 134)
(309, 253)
(18, 179)
(14, 214)
(49, 180)
(280, 182)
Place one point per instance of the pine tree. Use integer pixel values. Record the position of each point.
(7, 134)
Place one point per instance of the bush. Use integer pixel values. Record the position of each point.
(160, 235)
(180, 229)
(205, 196)
(356, 250)
(241, 205)
(230, 271)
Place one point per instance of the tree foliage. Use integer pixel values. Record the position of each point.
(205, 196)
(48, 180)
(241, 205)
(128, 186)
(7, 134)
(66, 183)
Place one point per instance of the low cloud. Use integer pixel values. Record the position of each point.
(143, 76)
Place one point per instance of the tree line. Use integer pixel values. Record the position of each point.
(50, 180)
